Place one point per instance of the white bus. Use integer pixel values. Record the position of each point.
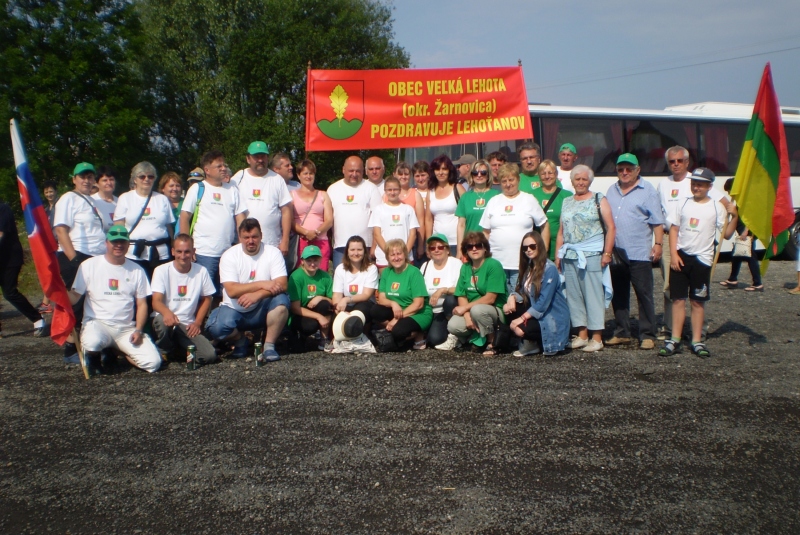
(713, 132)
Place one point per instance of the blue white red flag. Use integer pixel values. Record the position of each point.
(42, 243)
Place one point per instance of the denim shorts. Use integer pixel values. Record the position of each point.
(223, 320)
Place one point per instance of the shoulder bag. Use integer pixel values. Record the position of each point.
(618, 255)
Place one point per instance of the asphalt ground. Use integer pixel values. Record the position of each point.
(423, 442)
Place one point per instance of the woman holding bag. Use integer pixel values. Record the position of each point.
(313, 215)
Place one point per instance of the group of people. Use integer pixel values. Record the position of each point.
(442, 254)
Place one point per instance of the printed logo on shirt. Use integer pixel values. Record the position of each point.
(256, 193)
(350, 198)
(480, 202)
(113, 284)
(253, 274)
(693, 222)
(217, 197)
(474, 281)
(395, 286)
(509, 208)
(395, 218)
(535, 184)
(182, 291)
(146, 212)
(674, 193)
(353, 289)
(436, 281)
(312, 288)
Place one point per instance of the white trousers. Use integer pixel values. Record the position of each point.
(97, 335)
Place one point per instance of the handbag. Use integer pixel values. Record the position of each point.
(384, 342)
(294, 241)
(742, 246)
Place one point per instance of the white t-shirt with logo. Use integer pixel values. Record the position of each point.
(509, 220)
(351, 210)
(673, 194)
(698, 224)
(563, 177)
(264, 196)
(395, 222)
(350, 284)
(436, 279)
(85, 223)
(215, 230)
(182, 291)
(153, 224)
(106, 209)
(111, 291)
(237, 266)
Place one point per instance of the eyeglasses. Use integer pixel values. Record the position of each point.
(622, 170)
(526, 158)
(471, 246)
(529, 247)
(436, 247)
(480, 173)
(149, 177)
(677, 161)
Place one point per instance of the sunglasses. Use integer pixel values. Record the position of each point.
(142, 177)
(471, 246)
(436, 247)
(480, 173)
(529, 247)
(677, 161)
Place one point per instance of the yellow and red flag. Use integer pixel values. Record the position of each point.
(761, 187)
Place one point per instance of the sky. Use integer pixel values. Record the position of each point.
(584, 53)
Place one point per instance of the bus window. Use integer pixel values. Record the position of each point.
(649, 140)
(793, 144)
(721, 146)
(599, 141)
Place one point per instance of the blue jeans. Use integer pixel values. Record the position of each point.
(211, 263)
(223, 320)
(338, 256)
(511, 281)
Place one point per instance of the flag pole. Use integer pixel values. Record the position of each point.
(81, 354)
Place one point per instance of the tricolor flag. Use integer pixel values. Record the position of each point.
(42, 243)
(761, 187)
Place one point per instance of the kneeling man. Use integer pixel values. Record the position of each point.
(182, 293)
(114, 287)
(254, 282)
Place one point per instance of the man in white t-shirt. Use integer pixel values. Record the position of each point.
(182, 295)
(352, 199)
(282, 165)
(568, 156)
(211, 212)
(376, 170)
(114, 287)
(266, 196)
(254, 281)
(673, 192)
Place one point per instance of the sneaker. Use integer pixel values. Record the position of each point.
(663, 334)
(647, 343)
(592, 346)
(450, 344)
(240, 349)
(46, 309)
(578, 342)
(618, 341)
(71, 354)
(41, 330)
(527, 348)
(270, 355)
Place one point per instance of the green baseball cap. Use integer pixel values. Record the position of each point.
(309, 251)
(118, 233)
(438, 236)
(82, 168)
(628, 158)
(258, 147)
(568, 146)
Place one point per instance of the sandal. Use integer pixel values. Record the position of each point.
(701, 350)
(420, 345)
(671, 347)
(754, 288)
(729, 284)
(489, 351)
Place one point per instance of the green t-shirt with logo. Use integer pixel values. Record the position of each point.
(303, 287)
(553, 214)
(471, 206)
(490, 277)
(403, 287)
(530, 183)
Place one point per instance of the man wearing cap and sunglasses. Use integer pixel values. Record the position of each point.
(464, 166)
(266, 197)
(115, 306)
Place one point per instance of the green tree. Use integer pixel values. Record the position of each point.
(69, 79)
(229, 72)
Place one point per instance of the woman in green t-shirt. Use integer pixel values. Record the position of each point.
(481, 292)
(402, 308)
(310, 291)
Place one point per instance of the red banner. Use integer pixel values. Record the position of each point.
(385, 109)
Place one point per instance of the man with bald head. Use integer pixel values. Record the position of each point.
(376, 171)
(353, 200)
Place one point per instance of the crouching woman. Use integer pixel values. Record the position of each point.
(310, 291)
(402, 308)
(538, 305)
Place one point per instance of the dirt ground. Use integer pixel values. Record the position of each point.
(425, 442)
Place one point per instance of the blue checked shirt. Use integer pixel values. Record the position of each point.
(635, 214)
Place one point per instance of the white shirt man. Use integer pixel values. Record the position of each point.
(352, 199)
(281, 165)
(376, 171)
(182, 295)
(253, 276)
(568, 156)
(114, 287)
(266, 196)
